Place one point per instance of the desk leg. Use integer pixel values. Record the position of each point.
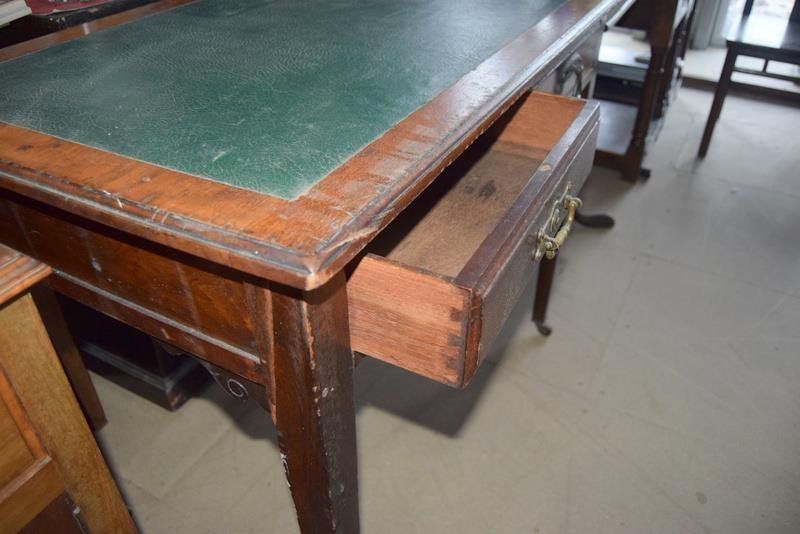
(315, 412)
(544, 283)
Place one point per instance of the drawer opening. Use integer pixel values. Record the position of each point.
(434, 288)
(445, 225)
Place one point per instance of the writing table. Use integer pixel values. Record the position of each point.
(273, 186)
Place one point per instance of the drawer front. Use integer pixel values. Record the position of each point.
(425, 315)
(190, 303)
(501, 291)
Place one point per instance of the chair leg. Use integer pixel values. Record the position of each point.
(719, 98)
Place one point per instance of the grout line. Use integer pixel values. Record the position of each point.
(615, 325)
(725, 276)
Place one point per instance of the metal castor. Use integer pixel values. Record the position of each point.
(543, 328)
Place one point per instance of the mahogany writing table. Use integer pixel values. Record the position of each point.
(275, 186)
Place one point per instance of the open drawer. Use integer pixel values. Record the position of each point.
(436, 286)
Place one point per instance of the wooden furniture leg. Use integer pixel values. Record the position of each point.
(641, 129)
(314, 408)
(719, 98)
(70, 357)
(544, 284)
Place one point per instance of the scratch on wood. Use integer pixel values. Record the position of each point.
(413, 148)
(426, 131)
(285, 463)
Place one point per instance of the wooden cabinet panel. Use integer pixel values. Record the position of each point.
(29, 480)
(14, 454)
(46, 447)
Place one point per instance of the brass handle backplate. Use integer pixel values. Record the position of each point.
(551, 237)
(574, 66)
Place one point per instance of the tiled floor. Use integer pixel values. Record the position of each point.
(667, 399)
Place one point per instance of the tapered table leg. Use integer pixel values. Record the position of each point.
(544, 284)
(314, 408)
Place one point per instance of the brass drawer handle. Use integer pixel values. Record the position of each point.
(561, 219)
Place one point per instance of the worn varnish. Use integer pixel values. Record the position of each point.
(304, 241)
(315, 411)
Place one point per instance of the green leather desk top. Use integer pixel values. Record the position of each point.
(267, 95)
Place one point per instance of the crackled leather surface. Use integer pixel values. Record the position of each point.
(265, 95)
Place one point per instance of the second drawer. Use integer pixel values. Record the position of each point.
(435, 288)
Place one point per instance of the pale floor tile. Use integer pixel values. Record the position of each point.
(666, 399)
(774, 369)
(153, 515)
(717, 225)
(755, 142)
(528, 470)
(568, 359)
(680, 300)
(713, 482)
(132, 422)
(700, 390)
(154, 448)
(223, 474)
(783, 321)
(593, 276)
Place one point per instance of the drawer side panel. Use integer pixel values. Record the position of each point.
(408, 318)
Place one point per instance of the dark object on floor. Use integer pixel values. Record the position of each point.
(599, 220)
(132, 359)
(761, 37)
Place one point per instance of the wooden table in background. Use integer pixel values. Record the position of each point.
(394, 206)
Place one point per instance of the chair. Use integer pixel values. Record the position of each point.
(760, 37)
